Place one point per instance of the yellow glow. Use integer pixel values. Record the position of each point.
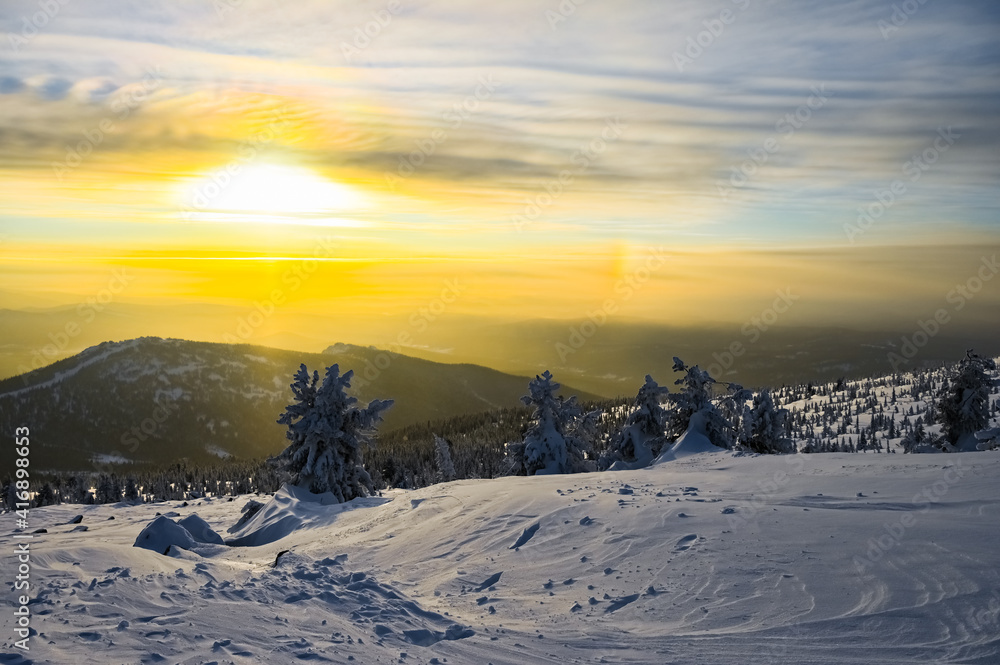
(271, 193)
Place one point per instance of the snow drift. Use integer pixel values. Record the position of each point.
(290, 509)
(694, 441)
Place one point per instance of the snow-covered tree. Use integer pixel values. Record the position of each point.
(963, 406)
(327, 432)
(560, 434)
(442, 459)
(695, 396)
(765, 426)
(642, 436)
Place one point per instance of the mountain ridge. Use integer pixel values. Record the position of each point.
(151, 399)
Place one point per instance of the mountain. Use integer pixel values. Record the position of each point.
(162, 400)
(609, 360)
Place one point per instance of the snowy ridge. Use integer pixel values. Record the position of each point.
(884, 408)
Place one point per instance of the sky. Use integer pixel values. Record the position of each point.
(682, 161)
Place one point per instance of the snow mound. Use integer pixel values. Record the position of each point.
(694, 441)
(290, 509)
(200, 530)
(163, 532)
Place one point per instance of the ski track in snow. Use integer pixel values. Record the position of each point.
(755, 572)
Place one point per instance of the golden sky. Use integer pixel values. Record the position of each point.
(351, 158)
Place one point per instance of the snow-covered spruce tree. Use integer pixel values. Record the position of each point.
(694, 397)
(442, 459)
(327, 432)
(642, 436)
(765, 427)
(560, 435)
(963, 405)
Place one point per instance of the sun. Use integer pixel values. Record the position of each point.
(272, 193)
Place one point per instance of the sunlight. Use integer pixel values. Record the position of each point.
(272, 193)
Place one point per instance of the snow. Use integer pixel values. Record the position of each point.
(200, 530)
(694, 441)
(712, 558)
(290, 509)
(218, 451)
(163, 533)
(105, 459)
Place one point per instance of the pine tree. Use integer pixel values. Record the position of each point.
(105, 490)
(327, 432)
(8, 493)
(963, 404)
(694, 397)
(560, 435)
(766, 426)
(442, 459)
(131, 489)
(46, 496)
(642, 436)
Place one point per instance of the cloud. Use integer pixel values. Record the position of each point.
(50, 88)
(93, 90)
(559, 80)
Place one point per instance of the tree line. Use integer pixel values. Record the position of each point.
(334, 445)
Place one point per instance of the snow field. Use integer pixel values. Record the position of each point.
(710, 558)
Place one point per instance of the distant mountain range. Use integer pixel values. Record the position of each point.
(163, 400)
(610, 359)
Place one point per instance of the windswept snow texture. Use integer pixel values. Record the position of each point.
(292, 508)
(832, 559)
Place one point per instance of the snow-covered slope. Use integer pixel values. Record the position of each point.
(711, 558)
(833, 416)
